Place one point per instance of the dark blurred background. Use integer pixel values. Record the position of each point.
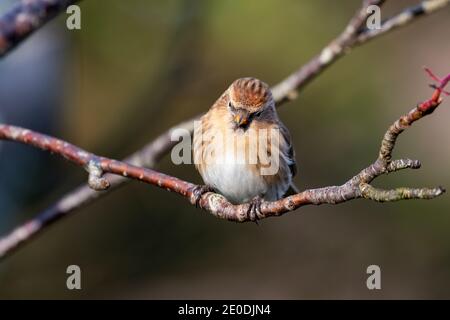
(138, 67)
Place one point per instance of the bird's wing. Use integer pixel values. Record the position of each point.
(291, 158)
(290, 149)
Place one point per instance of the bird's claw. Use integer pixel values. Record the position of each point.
(254, 210)
(198, 192)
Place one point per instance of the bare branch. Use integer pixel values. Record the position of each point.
(380, 195)
(287, 89)
(84, 195)
(26, 17)
(357, 187)
(405, 17)
(355, 34)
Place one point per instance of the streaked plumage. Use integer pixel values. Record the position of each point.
(246, 107)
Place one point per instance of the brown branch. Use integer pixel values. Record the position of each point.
(286, 90)
(84, 195)
(357, 187)
(26, 17)
(405, 17)
(355, 34)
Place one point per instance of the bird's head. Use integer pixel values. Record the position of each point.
(248, 99)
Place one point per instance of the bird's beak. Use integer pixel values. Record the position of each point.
(241, 119)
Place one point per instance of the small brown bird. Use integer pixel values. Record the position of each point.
(240, 122)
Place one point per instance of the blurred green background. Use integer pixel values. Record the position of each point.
(138, 67)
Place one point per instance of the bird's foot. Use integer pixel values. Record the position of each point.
(198, 192)
(255, 209)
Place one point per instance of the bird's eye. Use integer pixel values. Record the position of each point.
(230, 105)
(257, 113)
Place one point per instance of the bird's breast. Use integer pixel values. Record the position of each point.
(231, 164)
(236, 179)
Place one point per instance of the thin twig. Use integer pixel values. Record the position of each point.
(288, 88)
(400, 20)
